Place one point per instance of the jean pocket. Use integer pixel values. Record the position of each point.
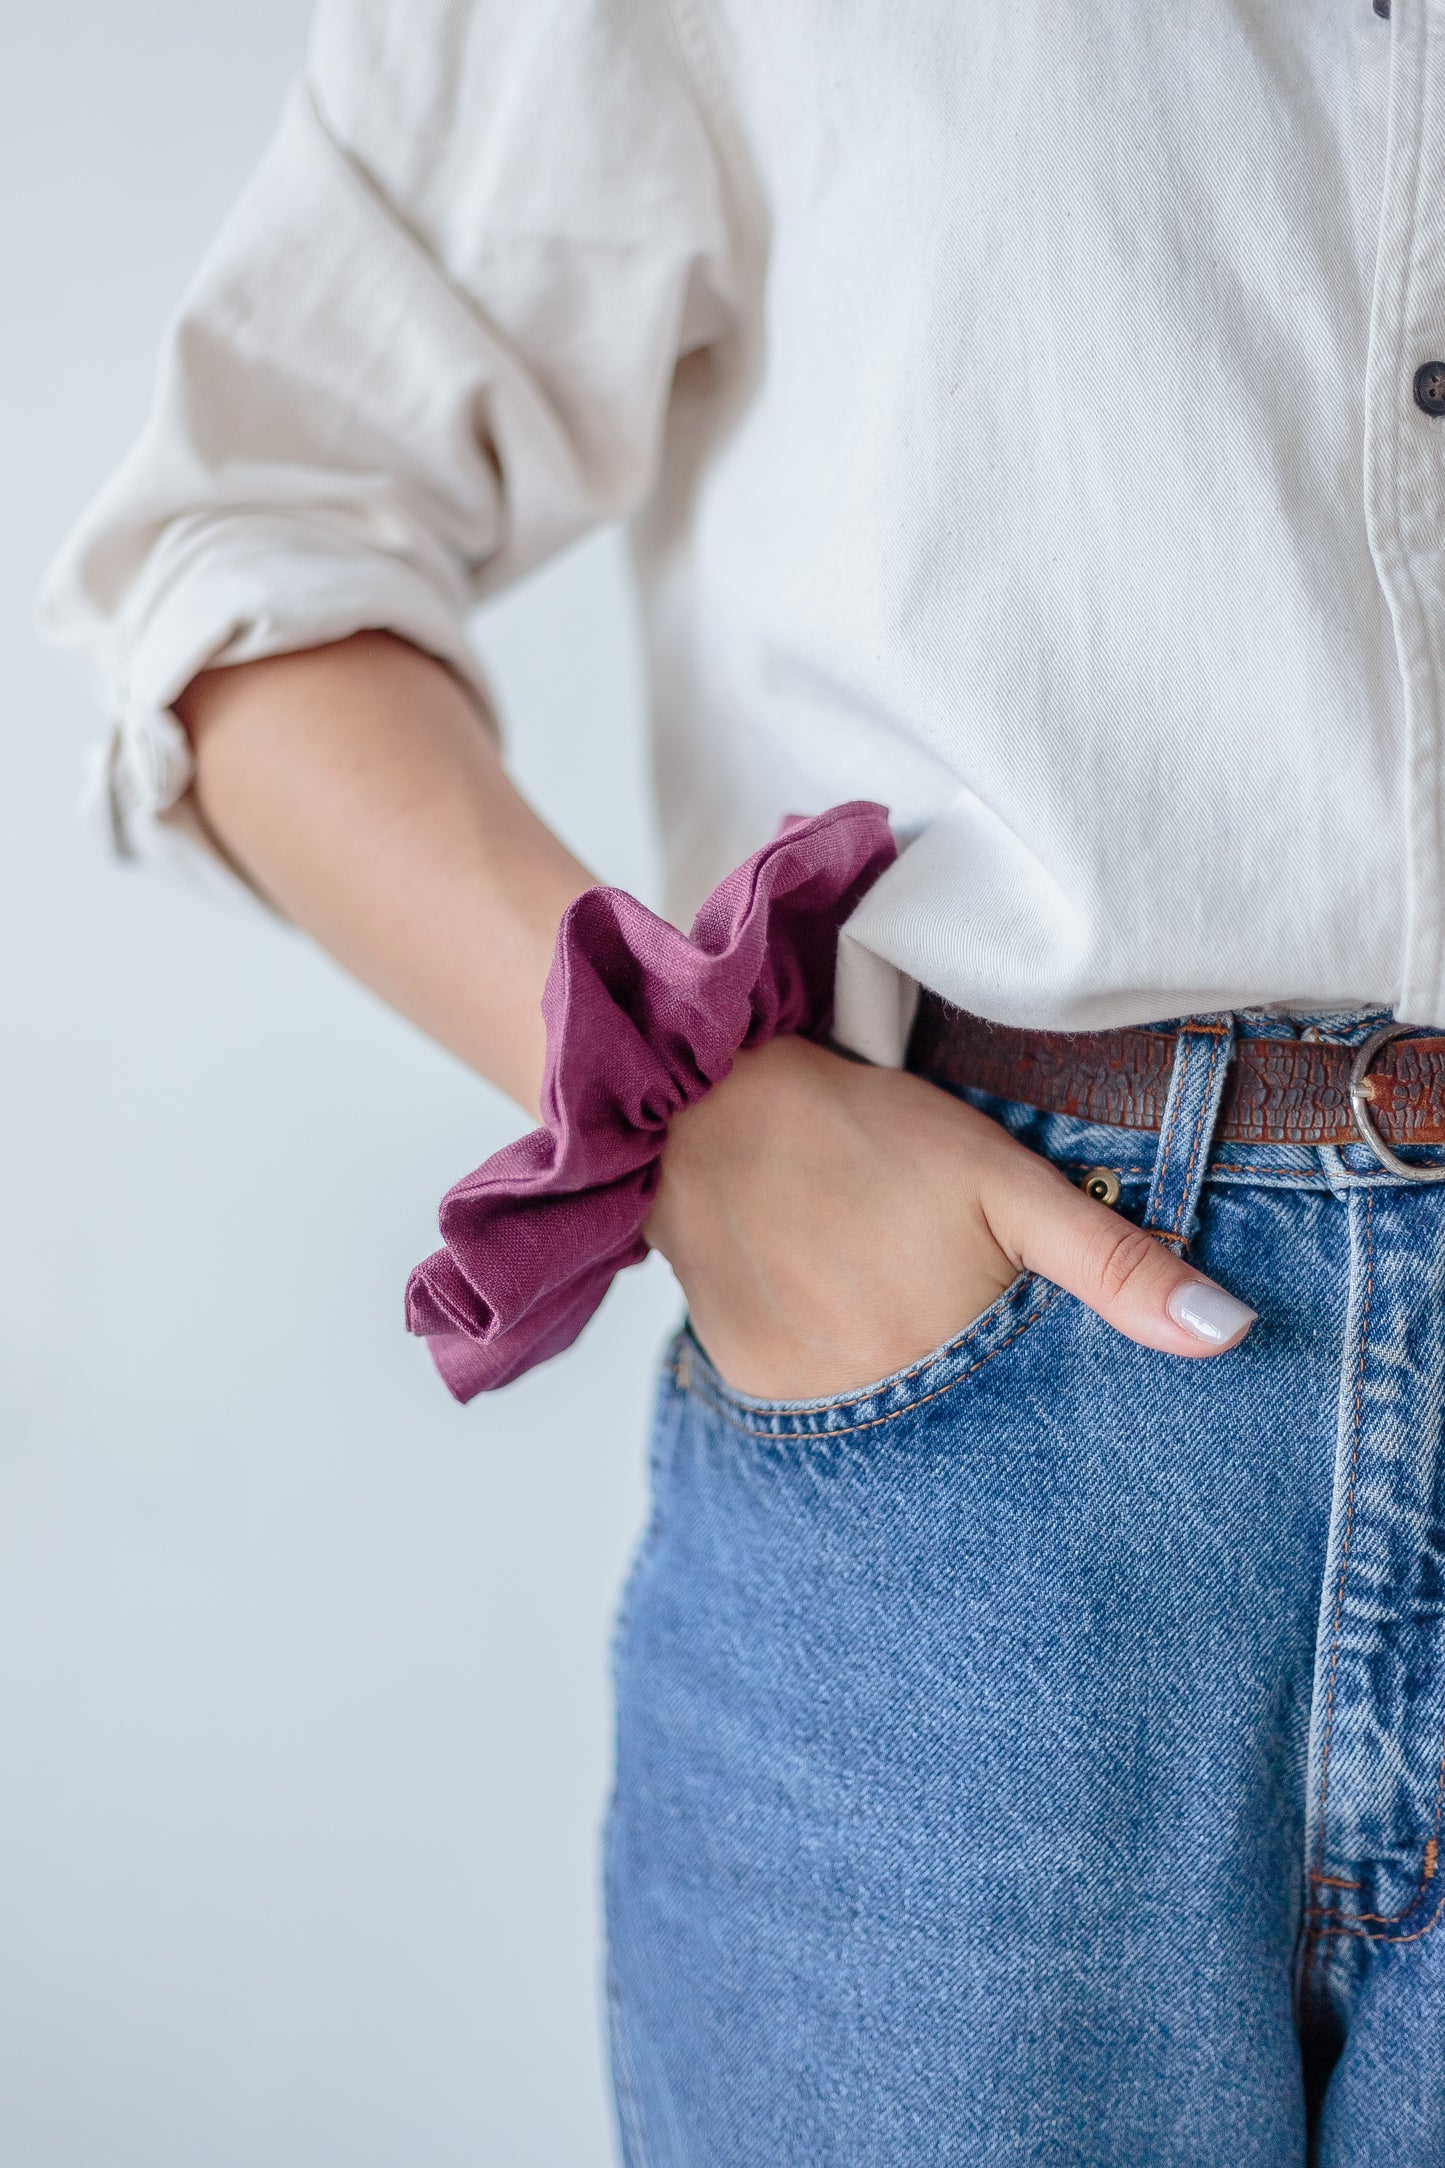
(1003, 1325)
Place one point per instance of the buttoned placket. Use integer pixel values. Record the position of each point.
(1405, 464)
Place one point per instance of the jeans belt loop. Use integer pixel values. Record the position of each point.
(1202, 1055)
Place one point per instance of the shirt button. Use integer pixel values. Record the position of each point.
(1430, 387)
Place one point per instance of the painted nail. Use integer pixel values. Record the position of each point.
(1206, 1311)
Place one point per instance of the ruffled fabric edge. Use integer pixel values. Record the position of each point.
(641, 1021)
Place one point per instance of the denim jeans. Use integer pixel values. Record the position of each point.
(1037, 1757)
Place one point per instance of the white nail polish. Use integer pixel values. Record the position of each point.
(1208, 1312)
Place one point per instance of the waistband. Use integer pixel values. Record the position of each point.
(1279, 1110)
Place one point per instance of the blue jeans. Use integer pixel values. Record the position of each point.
(1037, 1757)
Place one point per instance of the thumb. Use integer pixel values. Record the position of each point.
(1135, 1282)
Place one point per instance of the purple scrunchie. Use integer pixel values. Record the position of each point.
(641, 1022)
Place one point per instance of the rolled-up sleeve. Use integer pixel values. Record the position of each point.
(432, 344)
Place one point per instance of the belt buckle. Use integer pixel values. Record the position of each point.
(1360, 1096)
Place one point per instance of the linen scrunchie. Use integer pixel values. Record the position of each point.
(641, 1021)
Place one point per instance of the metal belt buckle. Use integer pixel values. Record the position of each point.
(1362, 1092)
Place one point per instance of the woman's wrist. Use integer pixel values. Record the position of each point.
(744, 1115)
(642, 1022)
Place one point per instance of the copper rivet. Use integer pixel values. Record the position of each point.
(1102, 1184)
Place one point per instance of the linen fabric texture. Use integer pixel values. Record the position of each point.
(641, 1022)
(1014, 412)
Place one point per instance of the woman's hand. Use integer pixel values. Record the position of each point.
(830, 1223)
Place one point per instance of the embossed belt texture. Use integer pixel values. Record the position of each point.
(1279, 1091)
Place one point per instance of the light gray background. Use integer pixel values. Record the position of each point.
(302, 1669)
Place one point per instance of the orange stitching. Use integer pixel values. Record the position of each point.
(1431, 1860)
(1167, 1141)
(1199, 1128)
(851, 1429)
(1363, 1934)
(1349, 1519)
(894, 1377)
(1428, 1865)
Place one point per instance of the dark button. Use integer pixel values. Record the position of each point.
(1430, 387)
(1382, 7)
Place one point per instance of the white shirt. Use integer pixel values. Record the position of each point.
(1013, 404)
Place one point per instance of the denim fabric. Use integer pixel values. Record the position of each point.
(1038, 1756)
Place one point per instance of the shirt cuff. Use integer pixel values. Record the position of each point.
(255, 593)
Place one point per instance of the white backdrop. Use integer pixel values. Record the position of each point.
(302, 1669)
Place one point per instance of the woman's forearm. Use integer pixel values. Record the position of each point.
(829, 1222)
(357, 787)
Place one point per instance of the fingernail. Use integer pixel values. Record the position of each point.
(1208, 1312)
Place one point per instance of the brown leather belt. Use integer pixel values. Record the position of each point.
(1279, 1091)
